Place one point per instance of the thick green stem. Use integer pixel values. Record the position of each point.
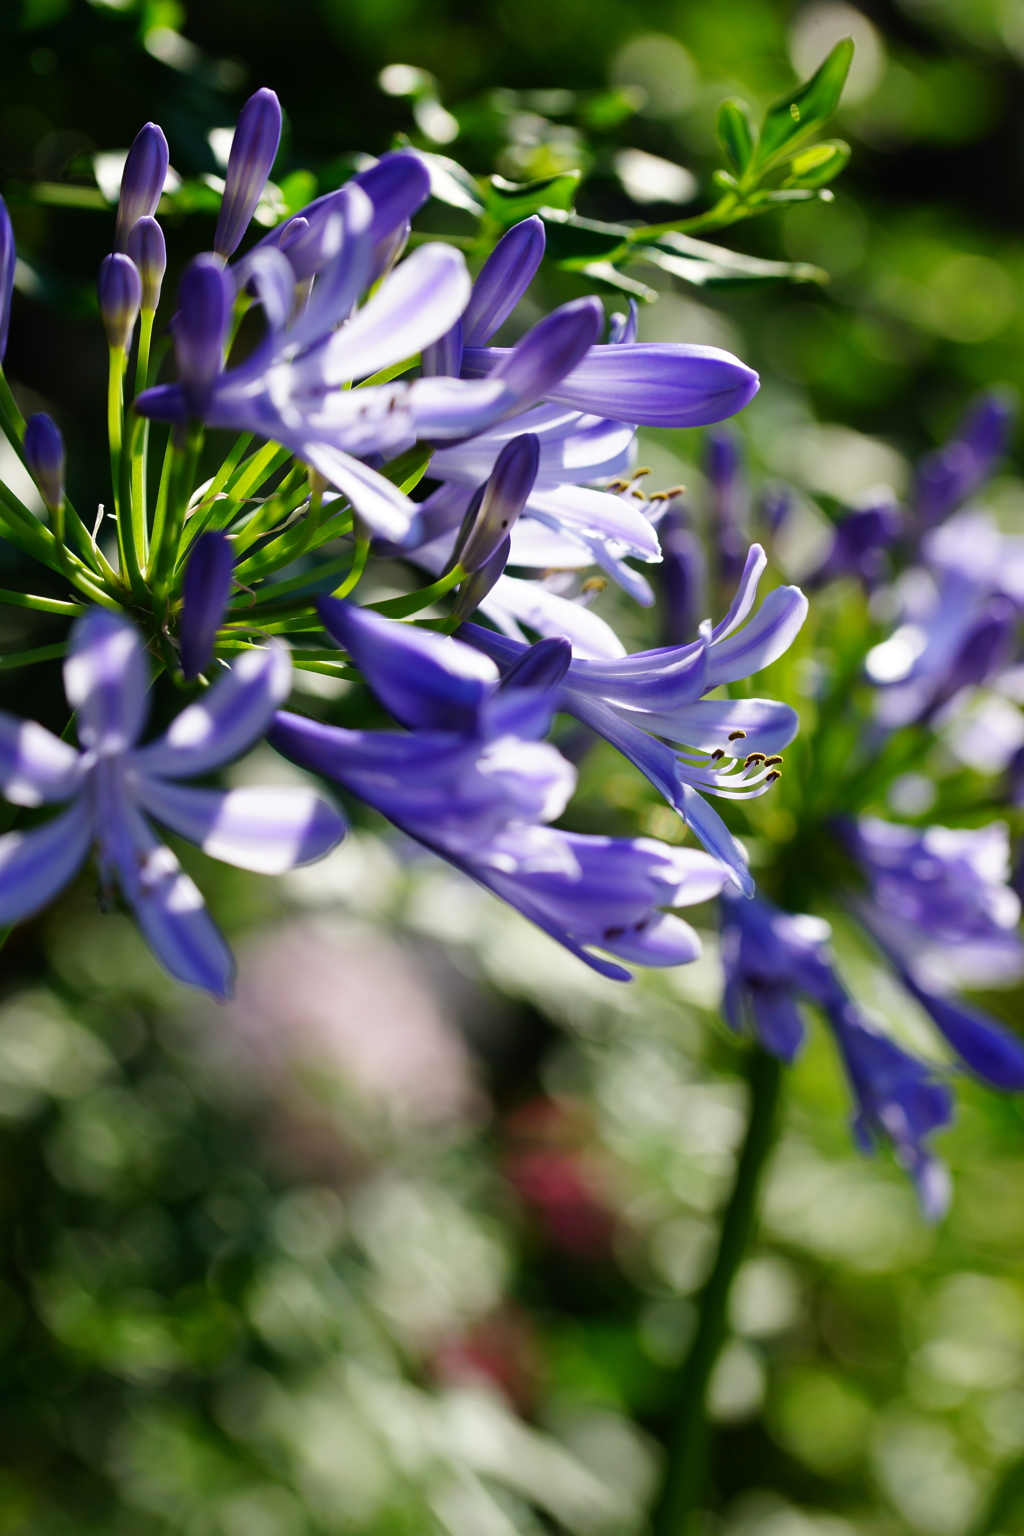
(689, 1443)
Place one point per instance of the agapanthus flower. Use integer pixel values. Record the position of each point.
(114, 785)
(142, 181)
(947, 477)
(253, 149)
(471, 780)
(683, 577)
(772, 960)
(728, 494)
(939, 905)
(860, 542)
(644, 702)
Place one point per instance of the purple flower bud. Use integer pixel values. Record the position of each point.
(120, 294)
(728, 498)
(204, 306)
(44, 451)
(510, 483)
(443, 359)
(397, 186)
(504, 278)
(540, 666)
(206, 590)
(148, 249)
(142, 182)
(684, 578)
(253, 150)
(551, 349)
(859, 544)
(948, 476)
(8, 259)
(475, 588)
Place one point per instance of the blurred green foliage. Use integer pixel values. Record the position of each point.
(408, 1239)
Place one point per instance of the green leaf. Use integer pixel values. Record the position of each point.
(714, 266)
(817, 166)
(451, 183)
(508, 201)
(297, 190)
(737, 132)
(790, 121)
(409, 468)
(574, 242)
(604, 272)
(610, 108)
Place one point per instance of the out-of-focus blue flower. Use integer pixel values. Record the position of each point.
(684, 578)
(940, 907)
(253, 150)
(119, 290)
(206, 589)
(898, 1099)
(113, 785)
(44, 454)
(472, 781)
(8, 261)
(637, 700)
(771, 959)
(142, 181)
(859, 544)
(148, 249)
(947, 477)
(728, 496)
(776, 505)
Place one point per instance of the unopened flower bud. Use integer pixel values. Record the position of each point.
(475, 588)
(397, 185)
(504, 497)
(206, 591)
(684, 578)
(541, 666)
(44, 452)
(8, 258)
(504, 278)
(253, 150)
(142, 182)
(549, 351)
(204, 306)
(120, 295)
(148, 249)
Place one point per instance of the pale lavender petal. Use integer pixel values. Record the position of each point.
(709, 724)
(746, 593)
(380, 504)
(598, 513)
(270, 274)
(36, 865)
(345, 276)
(266, 830)
(35, 765)
(527, 602)
(228, 719)
(421, 300)
(167, 905)
(105, 678)
(768, 636)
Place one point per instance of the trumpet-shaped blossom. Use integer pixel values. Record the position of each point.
(113, 786)
(771, 960)
(636, 701)
(947, 477)
(472, 781)
(939, 906)
(289, 389)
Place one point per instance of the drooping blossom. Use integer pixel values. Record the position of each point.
(471, 780)
(113, 786)
(772, 960)
(636, 701)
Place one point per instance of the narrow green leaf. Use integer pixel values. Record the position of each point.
(409, 468)
(508, 202)
(790, 121)
(744, 272)
(28, 658)
(41, 604)
(574, 242)
(817, 166)
(737, 132)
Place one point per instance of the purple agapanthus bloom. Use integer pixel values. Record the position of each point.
(684, 577)
(114, 785)
(772, 959)
(940, 907)
(290, 388)
(947, 477)
(729, 502)
(472, 781)
(859, 544)
(643, 702)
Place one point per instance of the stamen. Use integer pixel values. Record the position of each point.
(717, 755)
(594, 584)
(737, 735)
(771, 777)
(755, 757)
(669, 495)
(769, 761)
(637, 473)
(639, 495)
(616, 487)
